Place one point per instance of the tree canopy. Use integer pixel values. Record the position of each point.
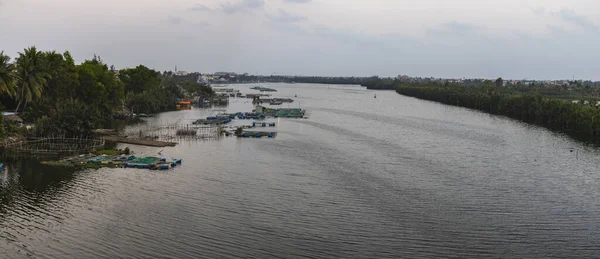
(65, 98)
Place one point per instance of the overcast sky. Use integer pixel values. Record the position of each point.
(541, 39)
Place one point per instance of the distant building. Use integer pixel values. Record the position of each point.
(225, 74)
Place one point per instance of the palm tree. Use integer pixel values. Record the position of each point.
(7, 75)
(32, 77)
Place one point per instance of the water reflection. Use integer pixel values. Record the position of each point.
(32, 177)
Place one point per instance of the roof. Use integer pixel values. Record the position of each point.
(11, 116)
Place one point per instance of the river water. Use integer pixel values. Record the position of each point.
(361, 177)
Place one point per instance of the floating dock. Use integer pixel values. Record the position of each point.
(214, 120)
(257, 134)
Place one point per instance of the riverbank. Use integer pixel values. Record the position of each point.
(574, 119)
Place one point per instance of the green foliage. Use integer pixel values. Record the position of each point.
(499, 82)
(8, 78)
(32, 76)
(377, 83)
(99, 86)
(575, 119)
(239, 131)
(72, 118)
(195, 89)
(149, 91)
(140, 79)
(63, 98)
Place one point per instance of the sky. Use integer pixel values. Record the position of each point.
(513, 39)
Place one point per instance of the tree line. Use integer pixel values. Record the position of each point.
(60, 97)
(576, 119)
(297, 79)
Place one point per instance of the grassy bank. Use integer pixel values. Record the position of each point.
(577, 120)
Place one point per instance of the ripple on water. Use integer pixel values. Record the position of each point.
(391, 177)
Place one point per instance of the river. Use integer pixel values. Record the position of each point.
(361, 177)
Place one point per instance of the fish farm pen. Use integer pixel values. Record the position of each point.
(173, 131)
(52, 147)
(257, 134)
(120, 161)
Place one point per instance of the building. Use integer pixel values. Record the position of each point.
(225, 74)
(12, 117)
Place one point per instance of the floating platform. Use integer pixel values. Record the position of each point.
(122, 161)
(263, 89)
(214, 120)
(257, 134)
(263, 124)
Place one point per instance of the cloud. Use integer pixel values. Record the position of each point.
(199, 8)
(242, 5)
(285, 17)
(174, 20)
(539, 11)
(297, 1)
(454, 28)
(570, 16)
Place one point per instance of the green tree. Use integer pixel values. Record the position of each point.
(499, 82)
(7, 75)
(32, 77)
(99, 86)
(139, 79)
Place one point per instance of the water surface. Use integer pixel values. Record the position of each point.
(361, 177)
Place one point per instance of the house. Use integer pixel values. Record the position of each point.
(12, 117)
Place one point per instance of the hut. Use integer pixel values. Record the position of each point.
(12, 117)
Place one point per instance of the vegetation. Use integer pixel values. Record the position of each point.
(113, 152)
(377, 83)
(576, 119)
(61, 98)
(239, 131)
(298, 79)
(194, 89)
